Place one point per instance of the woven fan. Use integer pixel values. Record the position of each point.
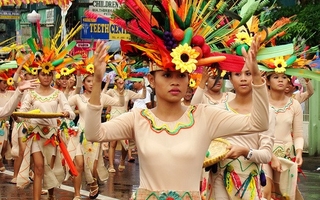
(216, 151)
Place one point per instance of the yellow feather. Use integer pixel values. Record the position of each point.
(171, 18)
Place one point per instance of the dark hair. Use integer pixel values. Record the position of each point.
(40, 70)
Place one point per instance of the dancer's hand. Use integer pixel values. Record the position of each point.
(206, 73)
(66, 114)
(251, 59)
(236, 151)
(100, 61)
(276, 164)
(299, 159)
(28, 84)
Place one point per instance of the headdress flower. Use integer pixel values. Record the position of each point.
(47, 67)
(90, 68)
(184, 57)
(10, 81)
(280, 64)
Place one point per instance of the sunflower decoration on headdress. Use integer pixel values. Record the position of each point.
(49, 56)
(6, 75)
(245, 30)
(182, 38)
(28, 61)
(292, 64)
(64, 71)
(86, 66)
(121, 65)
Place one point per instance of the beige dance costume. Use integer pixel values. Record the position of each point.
(288, 137)
(4, 121)
(40, 135)
(118, 110)
(11, 104)
(240, 178)
(201, 96)
(171, 153)
(78, 144)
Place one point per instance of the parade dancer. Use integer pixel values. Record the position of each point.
(87, 156)
(167, 131)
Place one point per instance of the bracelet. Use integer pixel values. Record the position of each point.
(249, 154)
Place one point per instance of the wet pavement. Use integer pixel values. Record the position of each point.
(120, 185)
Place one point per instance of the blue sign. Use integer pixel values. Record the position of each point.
(101, 29)
(94, 29)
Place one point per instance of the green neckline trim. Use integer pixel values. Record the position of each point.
(180, 125)
(283, 109)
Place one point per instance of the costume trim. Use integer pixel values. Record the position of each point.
(283, 109)
(180, 125)
(164, 195)
(51, 97)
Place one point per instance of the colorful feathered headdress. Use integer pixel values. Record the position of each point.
(184, 36)
(49, 56)
(6, 75)
(86, 66)
(293, 64)
(121, 65)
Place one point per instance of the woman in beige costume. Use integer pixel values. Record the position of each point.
(40, 131)
(117, 111)
(87, 156)
(18, 145)
(167, 131)
(209, 90)
(288, 144)
(5, 96)
(12, 103)
(246, 153)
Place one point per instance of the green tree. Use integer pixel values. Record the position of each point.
(308, 18)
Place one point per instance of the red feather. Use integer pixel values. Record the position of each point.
(232, 63)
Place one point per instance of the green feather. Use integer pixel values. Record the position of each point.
(304, 73)
(32, 45)
(57, 62)
(133, 79)
(247, 12)
(272, 52)
(264, 68)
(280, 29)
(8, 65)
(46, 40)
(113, 68)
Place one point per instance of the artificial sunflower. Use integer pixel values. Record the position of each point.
(90, 68)
(192, 83)
(64, 71)
(58, 76)
(184, 57)
(223, 73)
(280, 64)
(34, 71)
(47, 67)
(10, 81)
(243, 37)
